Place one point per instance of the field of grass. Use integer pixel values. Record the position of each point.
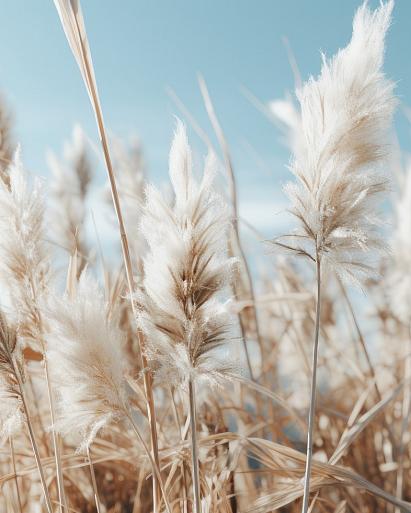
(184, 378)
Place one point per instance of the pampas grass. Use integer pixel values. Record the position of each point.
(7, 145)
(185, 270)
(10, 359)
(345, 115)
(69, 188)
(339, 141)
(87, 370)
(73, 24)
(84, 348)
(25, 269)
(124, 387)
(14, 406)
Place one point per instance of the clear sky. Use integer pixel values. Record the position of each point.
(141, 47)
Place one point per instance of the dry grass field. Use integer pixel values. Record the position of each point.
(185, 379)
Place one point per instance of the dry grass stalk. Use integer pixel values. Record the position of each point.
(237, 240)
(345, 114)
(25, 269)
(15, 407)
(73, 24)
(185, 269)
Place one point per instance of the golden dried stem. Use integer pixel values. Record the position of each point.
(73, 24)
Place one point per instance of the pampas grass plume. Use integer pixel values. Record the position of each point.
(186, 270)
(84, 351)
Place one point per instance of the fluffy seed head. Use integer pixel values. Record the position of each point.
(85, 359)
(24, 261)
(186, 270)
(11, 416)
(71, 177)
(345, 115)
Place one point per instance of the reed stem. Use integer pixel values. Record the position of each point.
(148, 388)
(56, 444)
(311, 414)
(93, 481)
(33, 443)
(194, 447)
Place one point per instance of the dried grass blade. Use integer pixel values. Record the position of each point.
(274, 397)
(73, 24)
(351, 434)
(233, 192)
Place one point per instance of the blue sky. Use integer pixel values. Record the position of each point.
(141, 47)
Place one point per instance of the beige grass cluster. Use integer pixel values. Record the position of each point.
(121, 386)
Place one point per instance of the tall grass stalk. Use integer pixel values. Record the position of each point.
(313, 395)
(91, 360)
(33, 440)
(56, 440)
(93, 481)
(73, 24)
(195, 472)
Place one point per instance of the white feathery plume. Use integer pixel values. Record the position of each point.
(25, 272)
(11, 417)
(345, 115)
(70, 182)
(129, 163)
(87, 367)
(186, 269)
(11, 411)
(24, 260)
(7, 145)
(85, 358)
(14, 411)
